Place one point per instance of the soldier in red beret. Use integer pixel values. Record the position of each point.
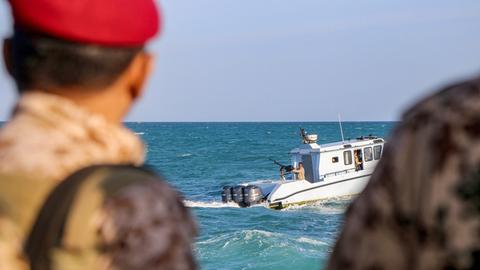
(71, 190)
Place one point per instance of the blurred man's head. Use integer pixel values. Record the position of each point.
(300, 164)
(39, 61)
(94, 58)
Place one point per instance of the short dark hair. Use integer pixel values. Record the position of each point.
(44, 62)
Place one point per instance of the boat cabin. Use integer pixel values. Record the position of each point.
(323, 161)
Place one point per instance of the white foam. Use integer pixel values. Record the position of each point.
(329, 206)
(311, 241)
(262, 239)
(211, 204)
(249, 234)
(317, 207)
(220, 238)
(139, 133)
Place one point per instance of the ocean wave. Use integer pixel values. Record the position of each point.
(240, 238)
(311, 241)
(250, 234)
(185, 155)
(210, 204)
(270, 250)
(139, 133)
(261, 238)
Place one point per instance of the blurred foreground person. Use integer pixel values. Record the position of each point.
(421, 209)
(79, 65)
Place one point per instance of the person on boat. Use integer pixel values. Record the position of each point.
(79, 66)
(421, 208)
(282, 173)
(299, 172)
(358, 160)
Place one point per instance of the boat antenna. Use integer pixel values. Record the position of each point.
(341, 128)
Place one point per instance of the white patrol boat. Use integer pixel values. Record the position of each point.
(331, 170)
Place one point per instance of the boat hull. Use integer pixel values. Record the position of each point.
(301, 192)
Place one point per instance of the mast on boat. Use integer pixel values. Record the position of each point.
(341, 128)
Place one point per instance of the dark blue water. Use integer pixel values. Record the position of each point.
(199, 158)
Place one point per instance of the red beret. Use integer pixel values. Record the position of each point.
(117, 23)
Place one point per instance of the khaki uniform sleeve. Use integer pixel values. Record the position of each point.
(11, 253)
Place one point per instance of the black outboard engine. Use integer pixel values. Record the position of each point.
(227, 194)
(237, 194)
(252, 195)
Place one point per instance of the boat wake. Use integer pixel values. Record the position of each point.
(210, 204)
(329, 206)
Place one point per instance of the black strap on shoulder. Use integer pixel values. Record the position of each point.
(48, 229)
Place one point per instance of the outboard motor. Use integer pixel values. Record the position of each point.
(252, 195)
(227, 194)
(237, 194)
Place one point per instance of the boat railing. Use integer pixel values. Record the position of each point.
(337, 173)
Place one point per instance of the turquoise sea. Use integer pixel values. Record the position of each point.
(199, 158)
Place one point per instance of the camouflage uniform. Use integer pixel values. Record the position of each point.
(421, 209)
(49, 138)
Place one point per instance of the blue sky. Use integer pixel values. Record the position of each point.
(305, 60)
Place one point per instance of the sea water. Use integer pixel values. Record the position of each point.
(200, 158)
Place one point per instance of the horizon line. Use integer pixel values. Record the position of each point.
(271, 121)
(262, 121)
